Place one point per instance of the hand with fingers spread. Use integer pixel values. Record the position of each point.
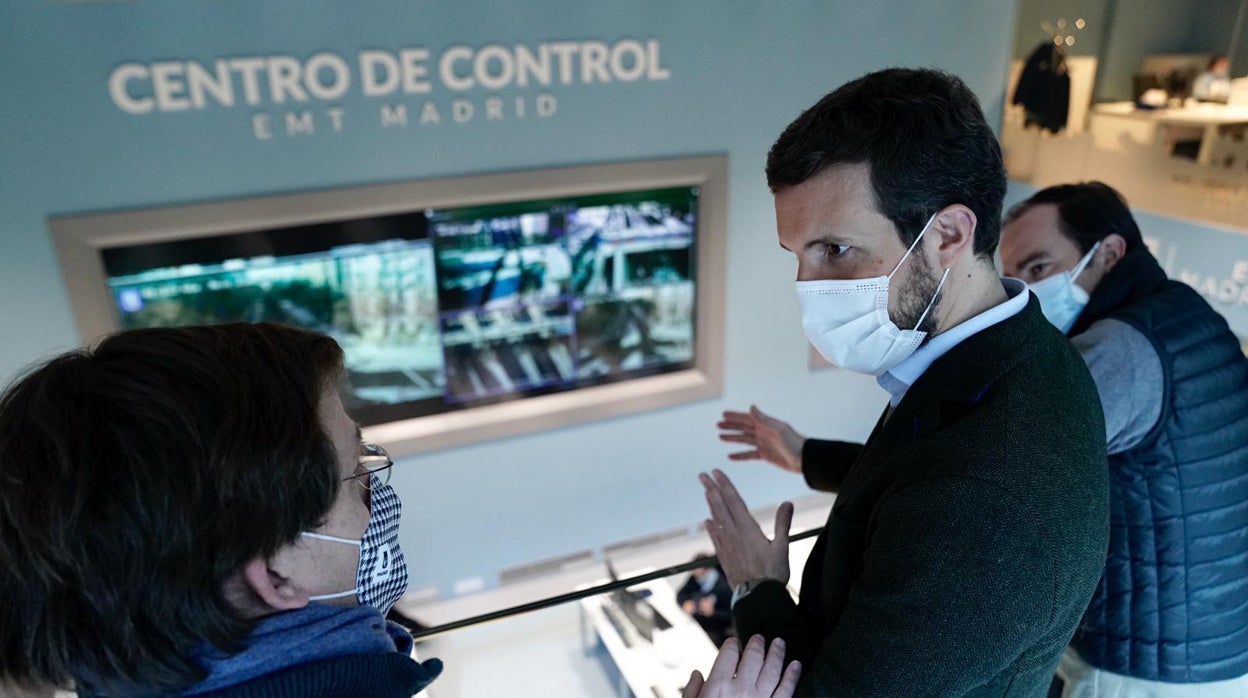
(744, 552)
(769, 438)
(748, 674)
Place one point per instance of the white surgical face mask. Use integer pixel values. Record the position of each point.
(1061, 299)
(381, 577)
(848, 320)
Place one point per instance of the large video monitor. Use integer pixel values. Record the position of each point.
(467, 308)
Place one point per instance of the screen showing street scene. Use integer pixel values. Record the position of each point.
(446, 309)
(551, 295)
(368, 284)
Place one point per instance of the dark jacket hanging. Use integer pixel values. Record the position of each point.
(1044, 88)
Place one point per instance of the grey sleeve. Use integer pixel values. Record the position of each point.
(1128, 377)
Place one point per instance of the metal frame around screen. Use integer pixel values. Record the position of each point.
(79, 240)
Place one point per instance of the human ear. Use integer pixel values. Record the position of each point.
(1113, 249)
(955, 228)
(277, 592)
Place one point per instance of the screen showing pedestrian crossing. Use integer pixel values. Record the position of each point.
(447, 309)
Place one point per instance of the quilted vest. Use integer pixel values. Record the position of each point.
(1173, 602)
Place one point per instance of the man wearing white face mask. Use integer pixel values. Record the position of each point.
(191, 512)
(958, 557)
(1170, 616)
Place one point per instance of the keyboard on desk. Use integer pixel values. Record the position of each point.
(616, 622)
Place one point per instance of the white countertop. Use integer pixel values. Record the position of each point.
(1201, 114)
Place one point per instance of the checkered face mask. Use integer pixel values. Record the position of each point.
(381, 577)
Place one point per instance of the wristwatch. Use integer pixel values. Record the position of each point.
(744, 589)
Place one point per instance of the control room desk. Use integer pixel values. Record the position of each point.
(657, 669)
(1208, 118)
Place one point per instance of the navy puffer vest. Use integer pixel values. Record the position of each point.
(1173, 602)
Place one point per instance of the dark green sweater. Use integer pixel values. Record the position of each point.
(968, 532)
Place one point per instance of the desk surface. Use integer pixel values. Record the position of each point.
(660, 668)
(1198, 115)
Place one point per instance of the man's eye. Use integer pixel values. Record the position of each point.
(836, 250)
(1038, 271)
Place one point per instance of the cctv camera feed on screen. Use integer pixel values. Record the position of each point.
(447, 309)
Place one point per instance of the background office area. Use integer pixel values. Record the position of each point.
(98, 117)
(1150, 97)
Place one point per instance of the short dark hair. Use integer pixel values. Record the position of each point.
(1087, 212)
(924, 138)
(135, 479)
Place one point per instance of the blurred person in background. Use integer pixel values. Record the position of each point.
(1170, 616)
(1214, 85)
(707, 597)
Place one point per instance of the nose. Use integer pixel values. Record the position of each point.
(806, 272)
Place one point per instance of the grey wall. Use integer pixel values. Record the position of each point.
(1213, 24)
(1138, 29)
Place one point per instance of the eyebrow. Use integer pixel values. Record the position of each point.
(823, 240)
(1032, 259)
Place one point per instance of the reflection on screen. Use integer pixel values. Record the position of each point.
(450, 308)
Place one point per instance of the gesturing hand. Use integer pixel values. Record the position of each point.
(744, 552)
(747, 675)
(772, 440)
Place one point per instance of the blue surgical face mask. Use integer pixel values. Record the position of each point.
(1061, 299)
(381, 577)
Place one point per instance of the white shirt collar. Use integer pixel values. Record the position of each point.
(707, 585)
(903, 375)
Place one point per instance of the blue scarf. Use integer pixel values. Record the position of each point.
(315, 632)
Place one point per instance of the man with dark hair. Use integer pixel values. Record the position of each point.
(191, 512)
(959, 556)
(707, 598)
(1172, 607)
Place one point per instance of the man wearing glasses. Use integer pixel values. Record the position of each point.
(192, 512)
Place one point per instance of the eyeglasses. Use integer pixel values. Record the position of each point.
(373, 461)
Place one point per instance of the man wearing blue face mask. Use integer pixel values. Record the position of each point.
(191, 512)
(959, 556)
(1170, 616)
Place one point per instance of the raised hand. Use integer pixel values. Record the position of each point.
(744, 552)
(748, 674)
(769, 438)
